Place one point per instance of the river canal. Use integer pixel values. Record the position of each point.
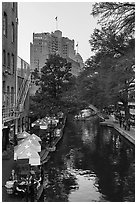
(91, 164)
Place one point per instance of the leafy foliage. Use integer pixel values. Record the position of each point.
(109, 73)
(119, 14)
(57, 90)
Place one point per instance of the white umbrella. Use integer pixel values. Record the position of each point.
(32, 155)
(34, 142)
(42, 123)
(35, 137)
(22, 135)
(22, 147)
(26, 143)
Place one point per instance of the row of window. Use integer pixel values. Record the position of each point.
(22, 123)
(8, 95)
(13, 6)
(8, 61)
(5, 28)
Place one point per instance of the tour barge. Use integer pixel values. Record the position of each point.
(57, 135)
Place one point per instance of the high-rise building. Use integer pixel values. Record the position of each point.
(45, 44)
(15, 78)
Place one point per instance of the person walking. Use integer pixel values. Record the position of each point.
(120, 120)
(128, 124)
(125, 124)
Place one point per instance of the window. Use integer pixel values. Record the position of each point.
(12, 63)
(13, 5)
(3, 94)
(5, 24)
(4, 57)
(12, 95)
(19, 125)
(8, 95)
(12, 32)
(3, 86)
(24, 66)
(8, 58)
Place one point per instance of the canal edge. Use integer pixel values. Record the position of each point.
(128, 136)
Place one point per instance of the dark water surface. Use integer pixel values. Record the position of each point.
(91, 164)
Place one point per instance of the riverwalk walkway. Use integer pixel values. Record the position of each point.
(111, 122)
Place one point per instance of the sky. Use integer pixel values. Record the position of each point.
(74, 20)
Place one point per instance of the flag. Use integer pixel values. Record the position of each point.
(56, 18)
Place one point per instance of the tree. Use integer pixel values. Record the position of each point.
(55, 80)
(108, 74)
(115, 40)
(125, 74)
(120, 15)
(95, 83)
(107, 41)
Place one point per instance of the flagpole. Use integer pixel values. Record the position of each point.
(56, 22)
(77, 47)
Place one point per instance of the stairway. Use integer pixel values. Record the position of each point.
(13, 111)
(23, 93)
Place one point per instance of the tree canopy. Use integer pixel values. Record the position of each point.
(120, 15)
(109, 73)
(57, 90)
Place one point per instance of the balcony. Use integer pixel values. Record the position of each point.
(9, 113)
(10, 110)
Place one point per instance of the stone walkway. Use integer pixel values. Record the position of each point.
(130, 135)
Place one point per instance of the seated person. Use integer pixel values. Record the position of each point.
(17, 189)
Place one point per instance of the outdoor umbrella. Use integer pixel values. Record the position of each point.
(35, 137)
(31, 154)
(34, 142)
(22, 135)
(41, 123)
(29, 141)
(22, 147)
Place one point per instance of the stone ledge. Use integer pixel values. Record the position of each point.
(121, 131)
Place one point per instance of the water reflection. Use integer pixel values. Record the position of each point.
(91, 164)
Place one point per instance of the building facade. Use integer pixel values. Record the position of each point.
(9, 64)
(45, 44)
(23, 85)
(15, 78)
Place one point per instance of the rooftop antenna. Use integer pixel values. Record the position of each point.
(77, 47)
(56, 22)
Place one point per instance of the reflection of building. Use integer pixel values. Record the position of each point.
(46, 43)
(15, 83)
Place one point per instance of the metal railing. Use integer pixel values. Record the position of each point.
(20, 102)
(10, 111)
(23, 85)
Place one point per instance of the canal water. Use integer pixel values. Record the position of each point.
(91, 164)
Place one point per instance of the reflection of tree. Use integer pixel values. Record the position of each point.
(112, 162)
(114, 168)
(60, 185)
